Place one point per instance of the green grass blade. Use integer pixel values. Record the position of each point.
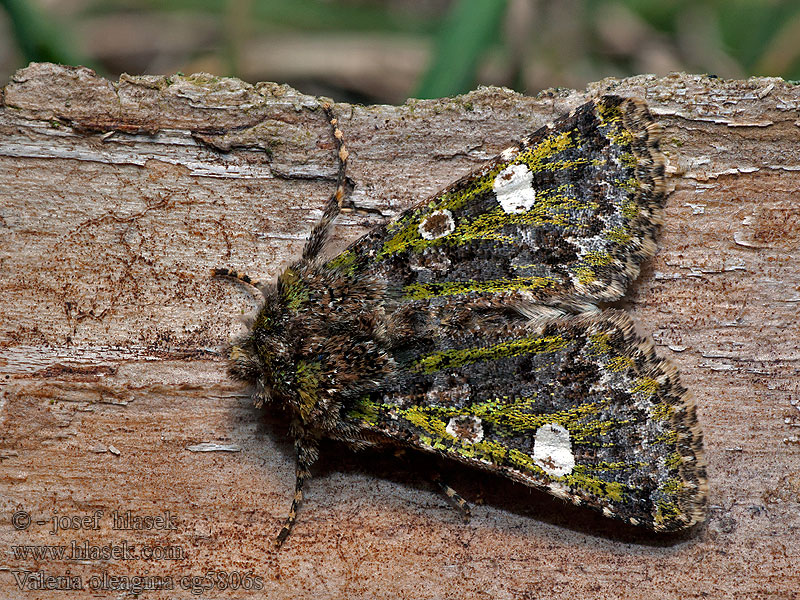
(38, 39)
(470, 28)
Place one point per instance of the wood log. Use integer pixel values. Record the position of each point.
(118, 198)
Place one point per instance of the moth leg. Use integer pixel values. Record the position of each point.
(333, 207)
(290, 520)
(240, 277)
(307, 453)
(453, 498)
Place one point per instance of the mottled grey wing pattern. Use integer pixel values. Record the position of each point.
(581, 407)
(565, 217)
(577, 405)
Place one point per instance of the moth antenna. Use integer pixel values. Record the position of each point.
(252, 285)
(320, 232)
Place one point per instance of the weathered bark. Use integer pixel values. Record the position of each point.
(117, 199)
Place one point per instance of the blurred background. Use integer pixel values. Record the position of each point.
(384, 51)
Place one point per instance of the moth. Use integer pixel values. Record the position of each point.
(471, 327)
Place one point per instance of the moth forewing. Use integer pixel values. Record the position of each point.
(469, 327)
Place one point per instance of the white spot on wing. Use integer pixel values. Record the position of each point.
(514, 189)
(552, 450)
(465, 428)
(438, 224)
(508, 153)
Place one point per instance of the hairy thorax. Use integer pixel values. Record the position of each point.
(319, 342)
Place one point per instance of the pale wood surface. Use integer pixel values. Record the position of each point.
(116, 200)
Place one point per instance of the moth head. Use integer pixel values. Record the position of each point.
(263, 357)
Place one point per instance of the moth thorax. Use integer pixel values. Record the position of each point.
(276, 368)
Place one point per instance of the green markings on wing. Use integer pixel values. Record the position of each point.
(668, 493)
(508, 417)
(598, 259)
(453, 359)
(346, 262)
(518, 417)
(619, 364)
(586, 269)
(424, 420)
(512, 418)
(611, 122)
(584, 423)
(646, 388)
(609, 115)
(423, 291)
(629, 208)
(620, 235)
(599, 343)
(673, 460)
(541, 156)
(600, 488)
(628, 160)
(551, 207)
(667, 511)
(557, 208)
(585, 275)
